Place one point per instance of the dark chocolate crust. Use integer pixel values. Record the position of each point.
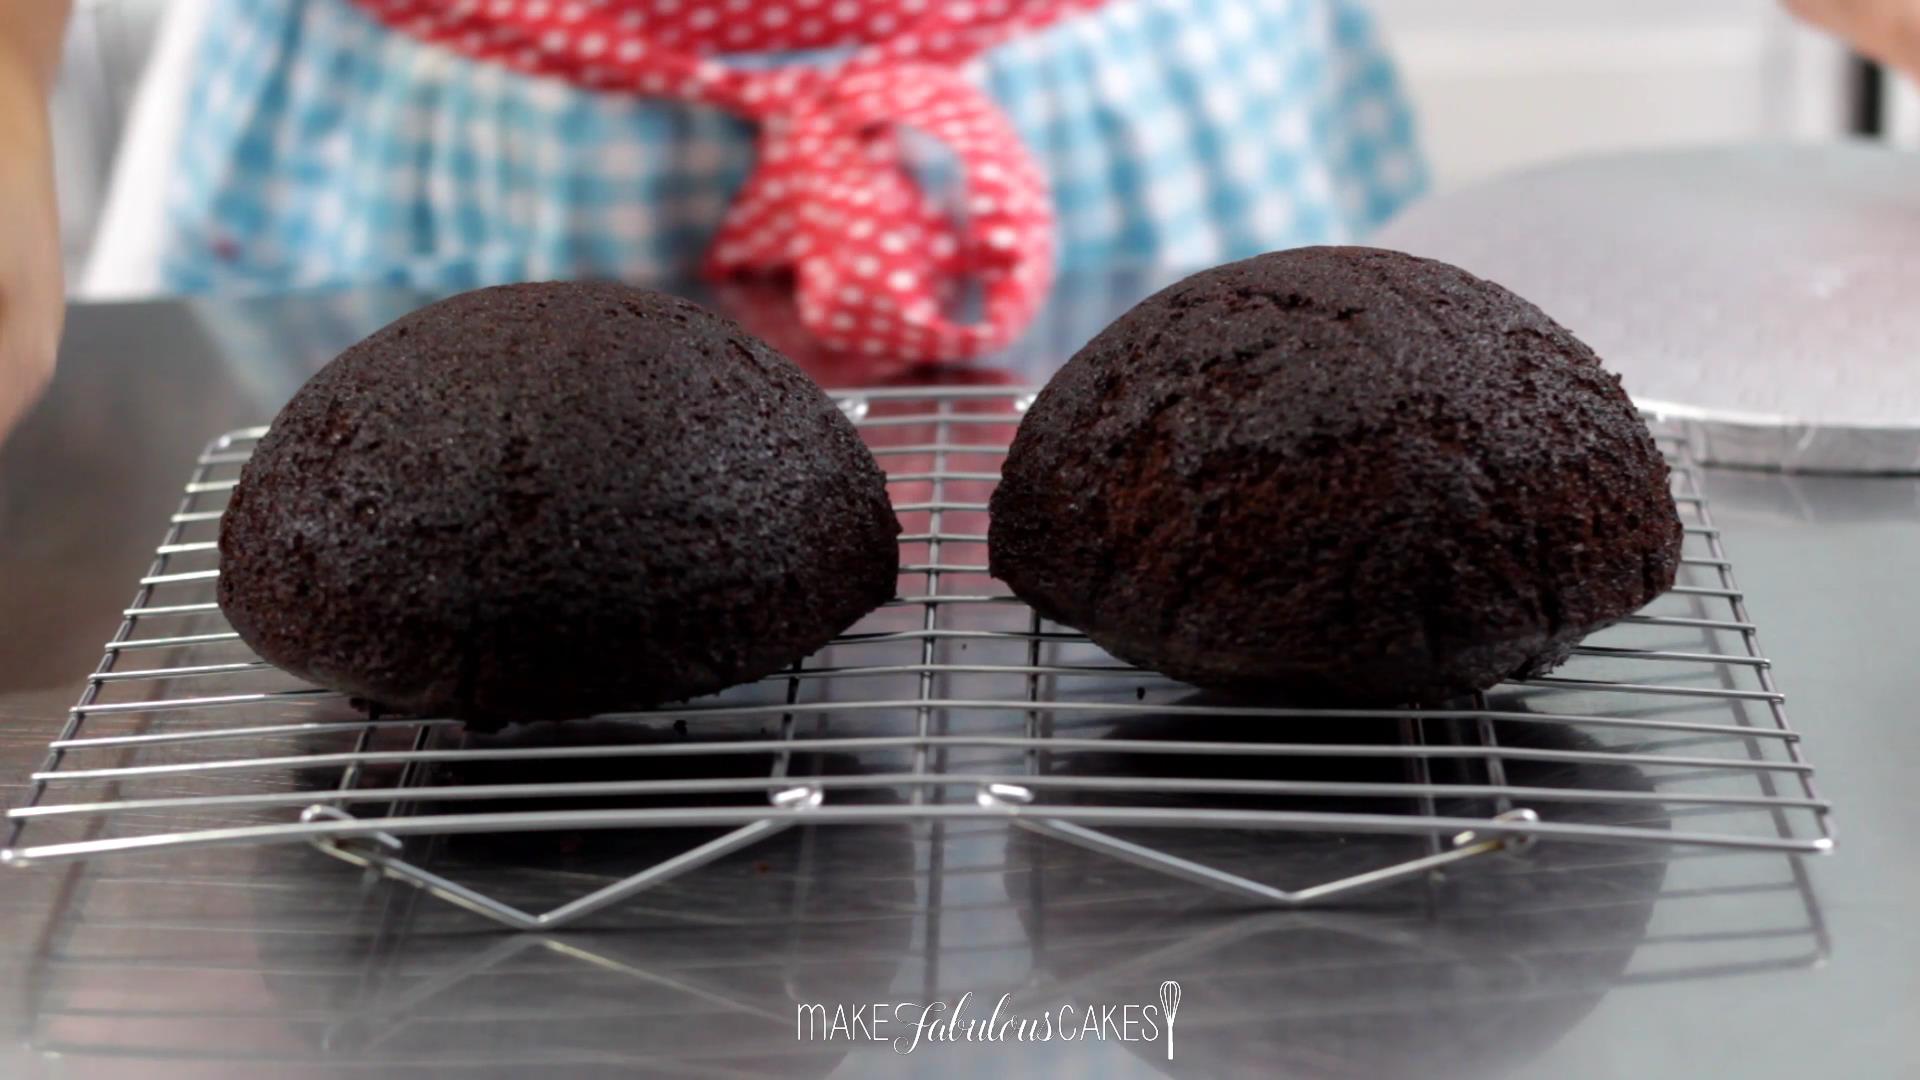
(1345, 474)
(543, 501)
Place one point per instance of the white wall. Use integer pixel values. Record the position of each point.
(106, 46)
(1504, 83)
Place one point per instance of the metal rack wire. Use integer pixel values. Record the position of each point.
(954, 701)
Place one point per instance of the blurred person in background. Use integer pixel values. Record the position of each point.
(877, 151)
(1886, 30)
(32, 293)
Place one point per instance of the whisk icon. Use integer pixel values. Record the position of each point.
(1169, 1004)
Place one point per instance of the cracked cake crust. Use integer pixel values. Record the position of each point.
(1346, 474)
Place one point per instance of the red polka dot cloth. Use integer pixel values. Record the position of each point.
(833, 200)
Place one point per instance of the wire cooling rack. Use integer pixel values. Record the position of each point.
(953, 701)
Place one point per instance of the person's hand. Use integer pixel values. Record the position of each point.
(1886, 30)
(32, 293)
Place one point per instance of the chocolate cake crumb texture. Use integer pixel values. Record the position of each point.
(1344, 474)
(546, 500)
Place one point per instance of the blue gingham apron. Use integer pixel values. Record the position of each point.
(321, 149)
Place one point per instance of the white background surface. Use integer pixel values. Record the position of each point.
(1501, 84)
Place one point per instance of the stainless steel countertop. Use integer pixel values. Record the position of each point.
(1569, 962)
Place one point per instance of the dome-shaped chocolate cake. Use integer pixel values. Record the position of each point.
(541, 501)
(1345, 474)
